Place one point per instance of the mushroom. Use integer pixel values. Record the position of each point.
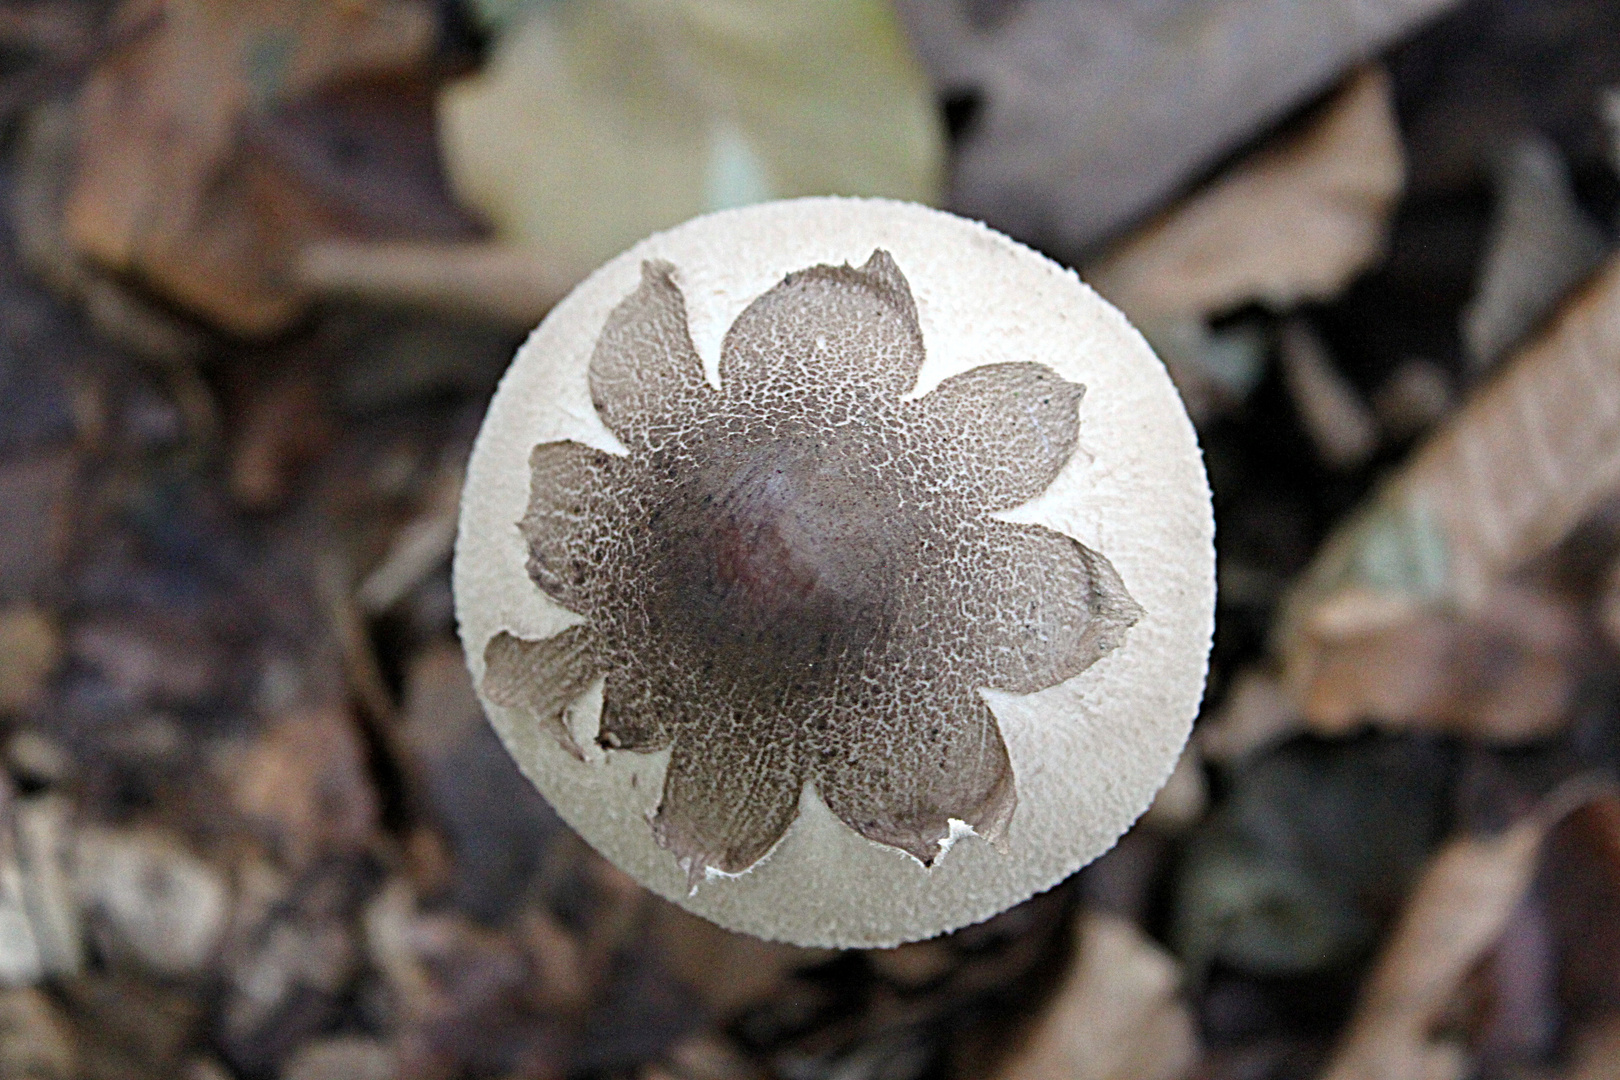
(840, 569)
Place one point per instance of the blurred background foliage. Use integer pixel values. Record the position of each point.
(262, 262)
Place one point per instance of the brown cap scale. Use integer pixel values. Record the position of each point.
(840, 569)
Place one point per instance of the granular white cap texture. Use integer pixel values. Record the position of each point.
(1088, 754)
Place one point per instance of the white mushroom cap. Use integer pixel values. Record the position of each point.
(1087, 754)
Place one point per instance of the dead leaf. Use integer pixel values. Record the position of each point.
(153, 900)
(467, 994)
(36, 759)
(290, 957)
(1597, 1052)
(150, 661)
(1089, 115)
(1509, 475)
(1580, 878)
(35, 1039)
(594, 124)
(44, 835)
(1258, 712)
(1458, 911)
(706, 1057)
(30, 648)
(1335, 417)
(282, 429)
(1118, 1014)
(1505, 673)
(36, 492)
(465, 787)
(46, 161)
(1309, 851)
(1429, 555)
(1418, 394)
(357, 157)
(158, 193)
(128, 1028)
(304, 783)
(343, 1057)
(1540, 245)
(1294, 222)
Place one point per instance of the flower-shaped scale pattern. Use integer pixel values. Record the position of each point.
(796, 578)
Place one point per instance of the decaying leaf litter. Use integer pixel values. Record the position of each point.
(252, 823)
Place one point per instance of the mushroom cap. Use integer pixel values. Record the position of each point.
(1088, 754)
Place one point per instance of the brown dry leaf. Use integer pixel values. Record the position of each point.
(466, 994)
(304, 781)
(36, 492)
(1580, 878)
(1117, 1016)
(1417, 395)
(359, 158)
(342, 1057)
(1091, 113)
(1458, 911)
(129, 1029)
(35, 1039)
(47, 152)
(1597, 1053)
(1504, 673)
(283, 427)
(1505, 479)
(1540, 245)
(30, 647)
(1294, 222)
(159, 194)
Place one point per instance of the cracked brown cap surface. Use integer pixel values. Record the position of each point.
(798, 543)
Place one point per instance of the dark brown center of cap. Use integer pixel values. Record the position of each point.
(780, 557)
